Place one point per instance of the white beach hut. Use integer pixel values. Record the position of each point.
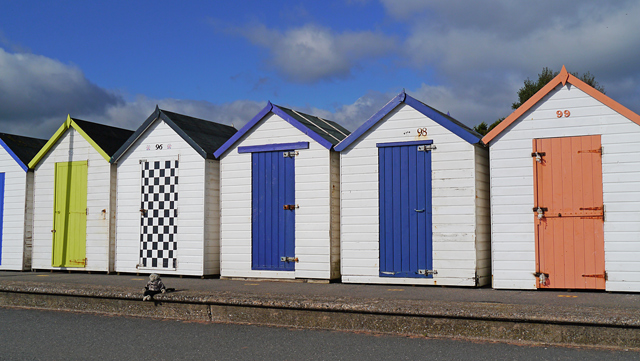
(16, 200)
(565, 191)
(415, 199)
(74, 197)
(168, 213)
(279, 190)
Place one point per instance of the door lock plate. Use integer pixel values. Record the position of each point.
(289, 259)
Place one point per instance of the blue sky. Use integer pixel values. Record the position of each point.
(112, 62)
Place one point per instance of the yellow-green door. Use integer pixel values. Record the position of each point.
(70, 215)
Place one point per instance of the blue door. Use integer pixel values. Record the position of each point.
(405, 209)
(1, 212)
(273, 211)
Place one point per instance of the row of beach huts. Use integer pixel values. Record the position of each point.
(550, 198)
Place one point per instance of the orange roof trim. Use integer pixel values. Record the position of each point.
(563, 78)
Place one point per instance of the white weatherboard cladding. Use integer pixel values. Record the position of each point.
(513, 234)
(313, 229)
(72, 147)
(460, 234)
(194, 248)
(13, 224)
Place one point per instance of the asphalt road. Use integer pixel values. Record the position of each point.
(47, 335)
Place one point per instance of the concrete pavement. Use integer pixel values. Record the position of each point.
(574, 318)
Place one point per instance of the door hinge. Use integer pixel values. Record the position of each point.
(82, 262)
(426, 148)
(599, 151)
(290, 207)
(289, 259)
(427, 272)
(603, 275)
(290, 154)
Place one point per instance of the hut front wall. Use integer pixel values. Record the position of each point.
(512, 192)
(73, 147)
(163, 144)
(456, 241)
(313, 169)
(13, 221)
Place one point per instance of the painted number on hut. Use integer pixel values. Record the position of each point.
(561, 113)
(159, 147)
(422, 132)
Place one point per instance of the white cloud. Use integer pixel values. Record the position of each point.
(34, 87)
(481, 51)
(311, 53)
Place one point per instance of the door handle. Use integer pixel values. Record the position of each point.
(419, 210)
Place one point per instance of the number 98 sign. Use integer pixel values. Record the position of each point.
(422, 132)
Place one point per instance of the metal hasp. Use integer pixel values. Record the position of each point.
(427, 272)
(289, 154)
(289, 259)
(426, 148)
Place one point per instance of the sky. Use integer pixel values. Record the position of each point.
(112, 62)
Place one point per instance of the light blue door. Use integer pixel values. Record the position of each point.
(273, 211)
(405, 209)
(1, 212)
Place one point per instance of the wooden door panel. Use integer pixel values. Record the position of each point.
(570, 236)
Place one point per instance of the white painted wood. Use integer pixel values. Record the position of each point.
(14, 253)
(513, 234)
(73, 147)
(316, 192)
(459, 203)
(198, 204)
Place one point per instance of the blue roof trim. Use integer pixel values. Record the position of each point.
(443, 121)
(411, 142)
(273, 147)
(13, 155)
(371, 122)
(301, 127)
(275, 110)
(229, 143)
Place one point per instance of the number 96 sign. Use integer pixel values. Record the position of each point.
(422, 132)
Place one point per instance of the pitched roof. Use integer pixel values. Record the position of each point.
(105, 139)
(325, 132)
(203, 135)
(22, 149)
(445, 120)
(563, 78)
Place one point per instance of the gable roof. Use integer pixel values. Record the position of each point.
(563, 78)
(105, 139)
(445, 120)
(21, 149)
(325, 132)
(203, 135)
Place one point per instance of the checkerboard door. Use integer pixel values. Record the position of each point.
(159, 214)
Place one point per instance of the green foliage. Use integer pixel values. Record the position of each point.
(483, 128)
(531, 87)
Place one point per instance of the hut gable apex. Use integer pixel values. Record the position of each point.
(21, 149)
(325, 132)
(563, 78)
(446, 121)
(103, 138)
(202, 135)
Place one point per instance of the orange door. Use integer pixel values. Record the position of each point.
(569, 212)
